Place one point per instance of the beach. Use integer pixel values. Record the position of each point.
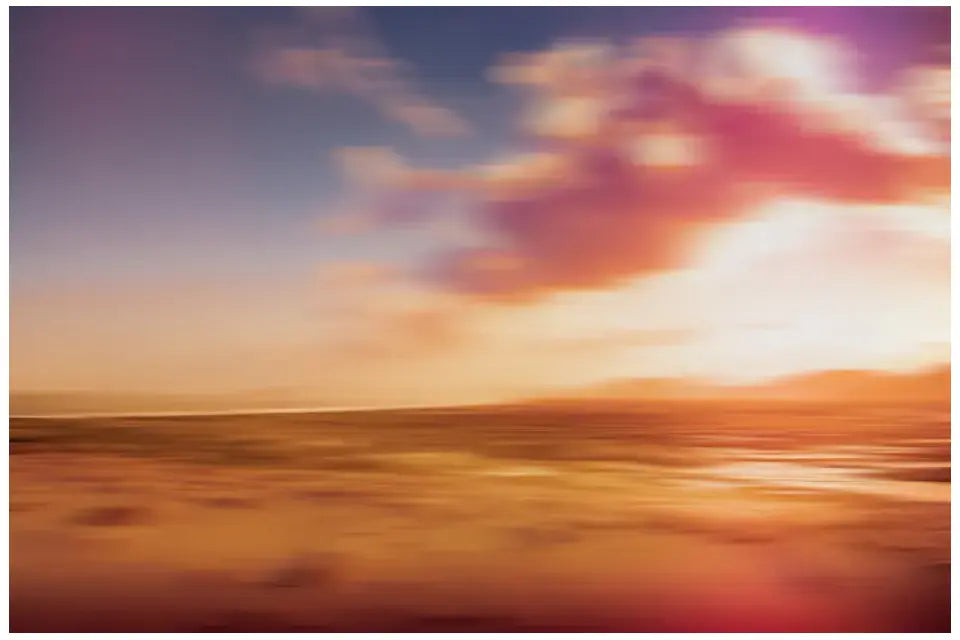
(603, 517)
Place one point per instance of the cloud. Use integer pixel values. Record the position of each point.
(926, 90)
(366, 166)
(373, 176)
(377, 311)
(337, 51)
(615, 341)
(637, 150)
(414, 334)
(373, 311)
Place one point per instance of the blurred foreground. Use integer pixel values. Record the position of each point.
(711, 517)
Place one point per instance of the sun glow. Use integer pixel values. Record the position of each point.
(807, 285)
(798, 286)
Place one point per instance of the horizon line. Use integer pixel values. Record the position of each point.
(236, 412)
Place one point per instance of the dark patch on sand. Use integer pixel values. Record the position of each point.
(542, 536)
(336, 495)
(304, 571)
(24, 507)
(114, 516)
(936, 474)
(228, 502)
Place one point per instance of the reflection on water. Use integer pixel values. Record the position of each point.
(672, 518)
(856, 469)
(788, 474)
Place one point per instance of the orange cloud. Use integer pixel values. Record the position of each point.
(636, 154)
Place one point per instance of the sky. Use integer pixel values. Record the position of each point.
(409, 205)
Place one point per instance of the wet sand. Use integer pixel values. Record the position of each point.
(673, 517)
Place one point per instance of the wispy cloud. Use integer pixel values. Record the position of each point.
(337, 50)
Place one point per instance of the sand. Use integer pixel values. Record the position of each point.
(674, 517)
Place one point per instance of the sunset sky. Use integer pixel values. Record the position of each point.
(415, 205)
